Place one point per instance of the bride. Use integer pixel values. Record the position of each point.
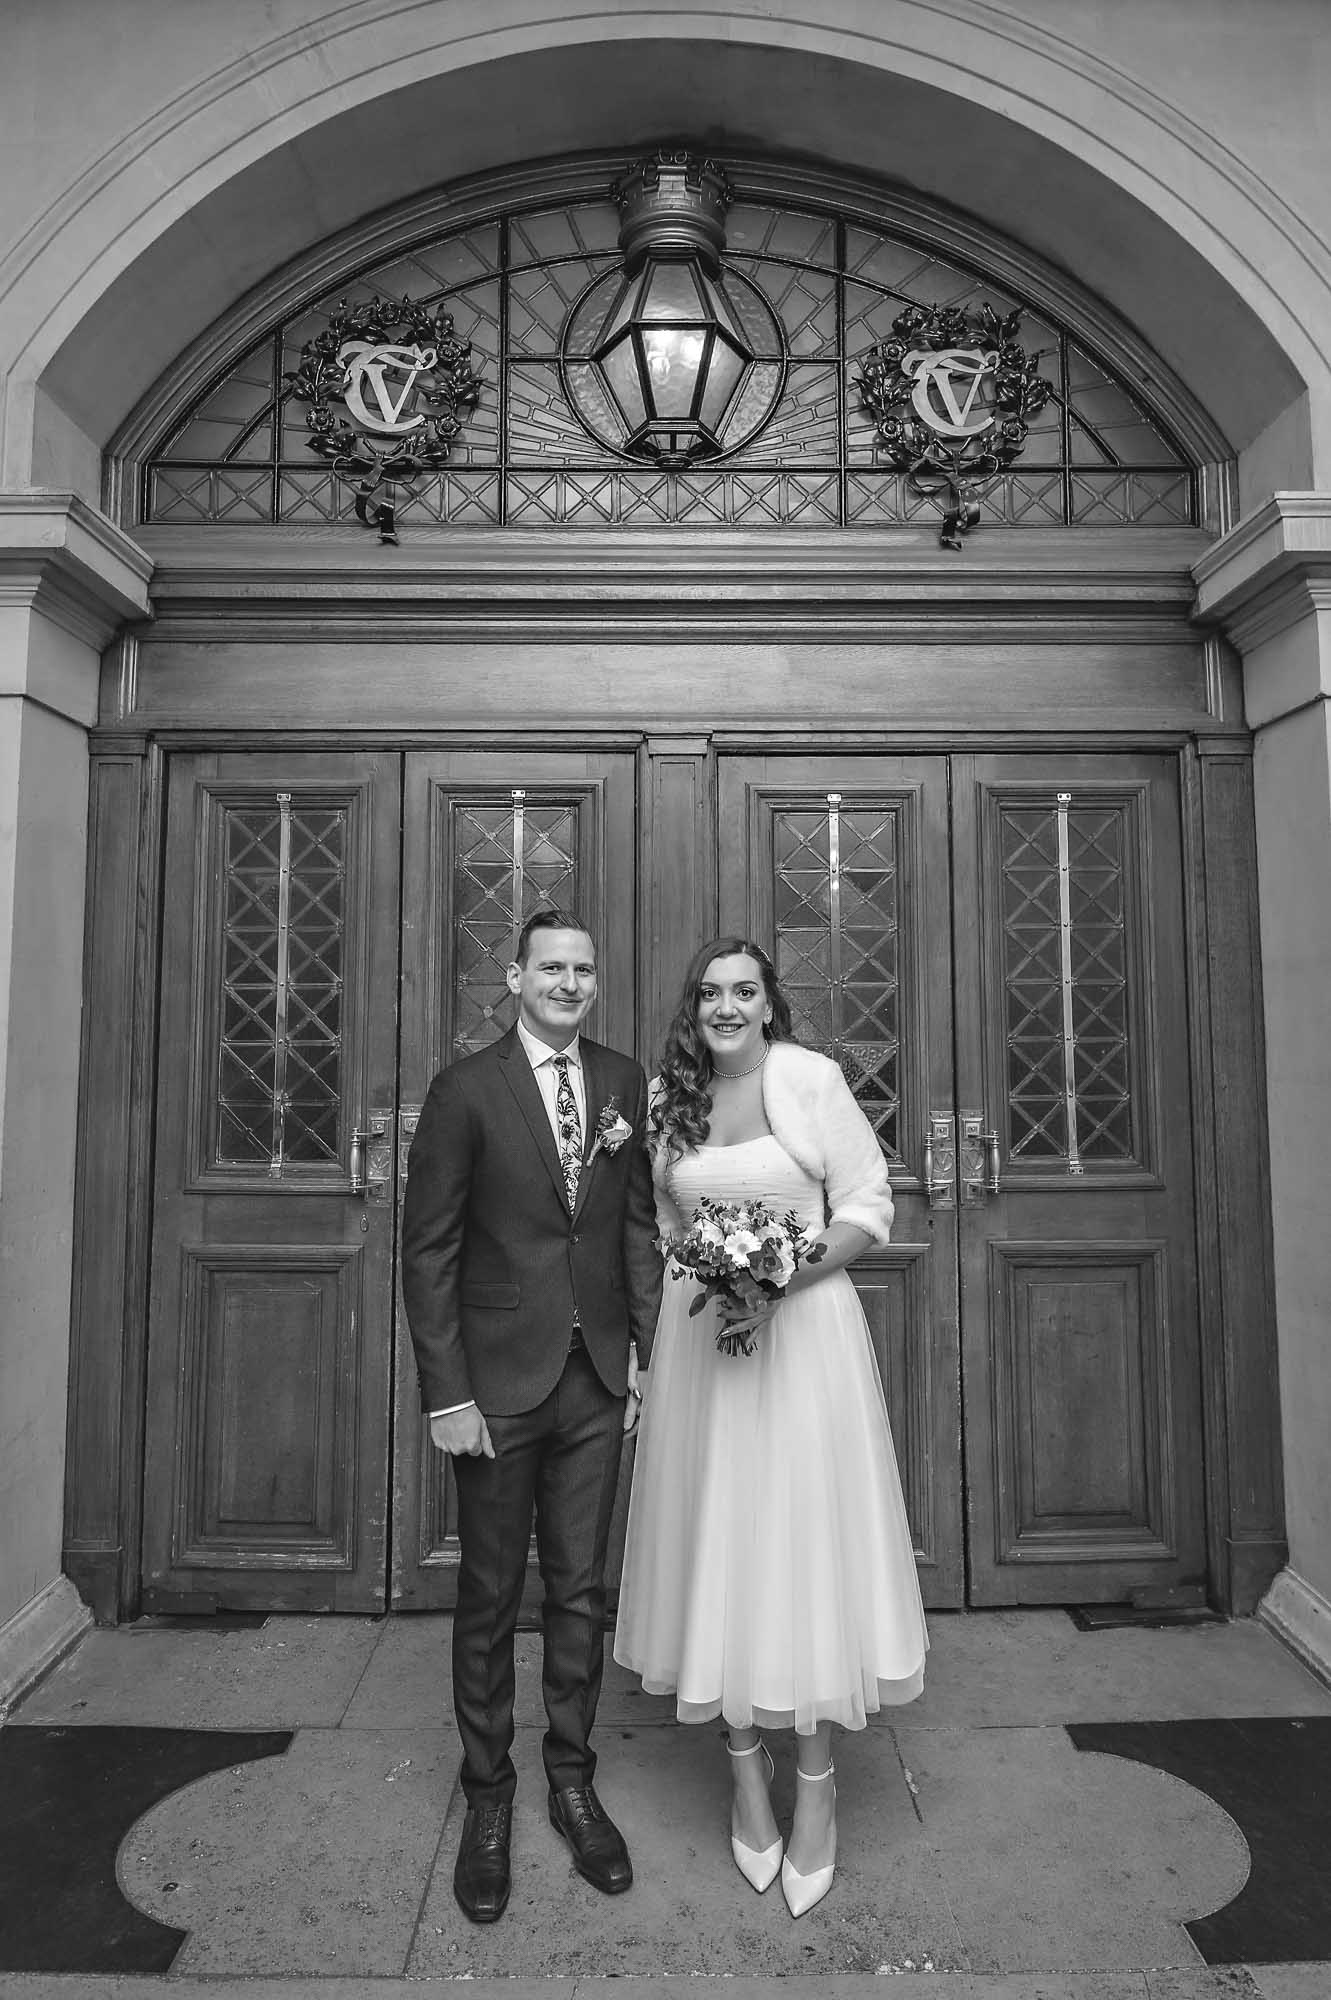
(769, 1575)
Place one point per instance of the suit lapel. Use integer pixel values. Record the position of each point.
(520, 1080)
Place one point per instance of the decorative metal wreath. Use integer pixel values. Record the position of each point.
(361, 344)
(952, 396)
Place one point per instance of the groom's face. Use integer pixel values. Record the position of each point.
(556, 986)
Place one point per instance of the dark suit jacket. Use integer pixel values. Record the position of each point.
(495, 1269)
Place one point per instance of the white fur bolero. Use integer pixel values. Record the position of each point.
(812, 1114)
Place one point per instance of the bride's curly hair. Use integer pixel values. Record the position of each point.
(681, 1115)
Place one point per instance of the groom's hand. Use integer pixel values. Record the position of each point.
(633, 1400)
(462, 1433)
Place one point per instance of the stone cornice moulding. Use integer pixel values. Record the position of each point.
(61, 558)
(605, 577)
(1270, 572)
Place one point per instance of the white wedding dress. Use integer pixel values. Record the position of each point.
(768, 1574)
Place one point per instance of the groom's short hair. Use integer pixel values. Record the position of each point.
(550, 919)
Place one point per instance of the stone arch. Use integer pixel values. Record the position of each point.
(251, 154)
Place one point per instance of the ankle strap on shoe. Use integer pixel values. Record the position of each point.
(815, 1777)
(753, 1747)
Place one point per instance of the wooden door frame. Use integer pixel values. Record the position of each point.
(677, 856)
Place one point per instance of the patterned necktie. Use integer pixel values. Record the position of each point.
(570, 1129)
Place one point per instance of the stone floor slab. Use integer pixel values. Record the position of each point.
(1023, 1668)
(1053, 1858)
(689, 1912)
(315, 1862)
(1293, 1982)
(408, 1682)
(1211, 1982)
(289, 1673)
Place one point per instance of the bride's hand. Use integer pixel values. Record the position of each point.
(748, 1322)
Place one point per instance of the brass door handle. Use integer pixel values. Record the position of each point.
(940, 1160)
(372, 1157)
(979, 1159)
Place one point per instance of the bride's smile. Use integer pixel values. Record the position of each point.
(733, 1010)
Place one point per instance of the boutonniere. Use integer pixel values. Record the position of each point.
(612, 1129)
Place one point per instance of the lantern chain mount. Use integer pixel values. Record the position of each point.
(672, 359)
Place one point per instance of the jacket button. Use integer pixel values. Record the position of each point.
(575, 1239)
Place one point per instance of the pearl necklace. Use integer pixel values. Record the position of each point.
(733, 1075)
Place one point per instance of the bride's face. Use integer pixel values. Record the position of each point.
(733, 1009)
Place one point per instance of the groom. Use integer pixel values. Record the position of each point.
(532, 1279)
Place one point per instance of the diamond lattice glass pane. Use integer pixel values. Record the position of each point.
(541, 424)
(316, 959)
(804, 299)
(753, 230)
(805, 424)
(540, 300)
(494, 891)
(1097, 1058)
(1133, 499)
(282, 957)
(835, 945)
(1098, 950)
(235, 420)
(585, 229)
(1109, 427)
(1037, 1121)
(446, 266)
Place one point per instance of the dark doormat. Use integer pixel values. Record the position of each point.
(1115, 1617)
(68, 1797)
(1272, 1775)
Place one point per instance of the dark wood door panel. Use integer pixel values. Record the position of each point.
(1078, 1263)
(270, 1331)
(489, 837)
(271, 1373)
(838, 864)
(1083, 1403)
(893, 1287)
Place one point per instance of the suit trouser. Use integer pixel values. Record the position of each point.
(562, 1459)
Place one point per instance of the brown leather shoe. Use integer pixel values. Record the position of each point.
(480, 1873)
(596, 1843)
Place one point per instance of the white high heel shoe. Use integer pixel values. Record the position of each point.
(758, 1869)
(803, 1891)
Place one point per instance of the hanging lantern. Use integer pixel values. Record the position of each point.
(668, 359)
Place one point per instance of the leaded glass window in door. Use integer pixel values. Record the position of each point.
(1066, 904)
(837, 936)
(278, 1069)
(510, 857)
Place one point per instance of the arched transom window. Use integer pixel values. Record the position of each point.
(1096, 454)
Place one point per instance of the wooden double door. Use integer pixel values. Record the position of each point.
(989, 945)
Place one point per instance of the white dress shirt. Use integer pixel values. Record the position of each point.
(542, 1058)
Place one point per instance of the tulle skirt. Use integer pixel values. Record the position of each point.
(768, 1574)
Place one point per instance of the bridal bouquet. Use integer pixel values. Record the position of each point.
(743, 1254)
